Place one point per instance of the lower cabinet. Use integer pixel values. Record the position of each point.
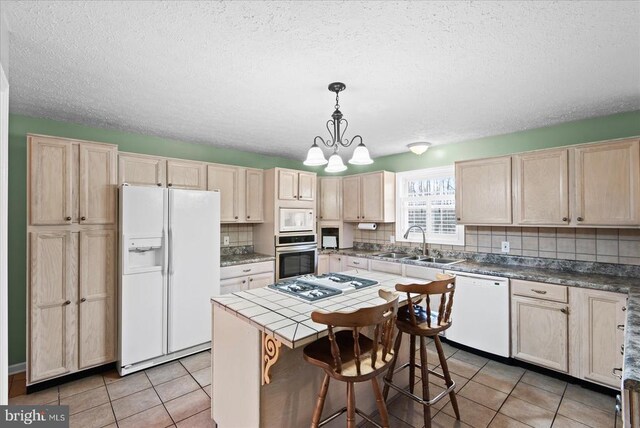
(336, 263)
(72, 290)
(246, 276)
(388, 267)
(356, 263)
(323, 265)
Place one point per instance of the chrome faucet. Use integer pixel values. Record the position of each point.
(424, 238)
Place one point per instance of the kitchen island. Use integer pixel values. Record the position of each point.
(259, 375)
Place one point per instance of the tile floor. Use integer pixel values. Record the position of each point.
(490, 394)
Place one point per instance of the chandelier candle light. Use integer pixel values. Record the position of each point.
(315, 156)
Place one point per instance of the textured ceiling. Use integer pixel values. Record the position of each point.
(254, 75)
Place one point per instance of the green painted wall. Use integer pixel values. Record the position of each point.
(602, 128)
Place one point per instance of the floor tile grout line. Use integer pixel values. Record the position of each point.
(505, 400)
(161, 400)
(564, 391)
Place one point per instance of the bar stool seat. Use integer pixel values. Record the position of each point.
(419, 321)
(351, 357)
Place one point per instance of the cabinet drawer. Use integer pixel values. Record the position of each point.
(358, 263)
(389, 267)
(539, 290)
(421, 272)
(245, 270)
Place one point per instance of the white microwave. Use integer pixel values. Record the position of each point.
(296, 219)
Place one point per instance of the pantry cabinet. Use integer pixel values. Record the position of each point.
(98, 184)
(254, 195)
(369, 197)
(329, 198)
(183, 174)
(607, 184)
(541, 187)
(296, 185)
(483, 191)
(241, 192)
(142, 170)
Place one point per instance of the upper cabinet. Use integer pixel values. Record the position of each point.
(607, 184)
(369, 197)
(183, 174)
(71, 182)
(296, 185)
(541, 187)
(142, 170)
(483, 191)
(241, 192)
(329, 198)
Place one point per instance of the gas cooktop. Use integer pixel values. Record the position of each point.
(317, 287)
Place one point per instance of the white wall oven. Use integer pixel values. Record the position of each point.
(296, 220)
(296, 254)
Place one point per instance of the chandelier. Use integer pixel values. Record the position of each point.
(315, 156)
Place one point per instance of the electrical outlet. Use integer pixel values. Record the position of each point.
(392, 239)
(225, 240)
(505, 246)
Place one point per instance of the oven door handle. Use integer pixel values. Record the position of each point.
(296, 248)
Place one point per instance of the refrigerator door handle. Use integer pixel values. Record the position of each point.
(170, 270)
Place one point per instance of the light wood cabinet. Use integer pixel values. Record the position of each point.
(607, 184)
(336, 263)
(183, 174)
(483, 191)
(98, 184)
(601, 320)
(540, 332)
(388, 267)
(369, 197)
(296, 185)
(52, 304)
(541, 187)
(142, 170)
(231, 285)
(246, 276)
(356, 263)
(241, 192)
(323, 264)
(261, 280)
(97, 289)
(329, 198)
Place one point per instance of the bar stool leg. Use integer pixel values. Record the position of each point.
(425, 381)
(317, 413)
(351, 406)
(412, 362)
(382, 407)
(447, 375)
(392, 366)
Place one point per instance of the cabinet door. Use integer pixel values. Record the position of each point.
(542, 187)
(323, 264)
(98, 184)
(141, 170)
(52, 304)
(186, 175)
(607, 183)
(306, 186)
(351, 199)
(254, 200)
(225, 179)
(371, 194)
(231, 285)
(330, 198)
(51, 181)
(540, 332)
(483, 191)
(287, 185)
(261, 280)
(335, 263)
(601, 313)
(97, 314)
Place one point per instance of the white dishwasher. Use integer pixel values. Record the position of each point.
(480, 314)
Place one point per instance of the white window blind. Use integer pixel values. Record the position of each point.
(426, 198)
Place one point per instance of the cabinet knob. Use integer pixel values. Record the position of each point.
(68, 302)
(83, 300)
(618, 369)
(250, 279)
(565, 219)
(244, 281)
(248, 216)
(170, 184)
(564, 310)
(580, 219)
(621, 349)
(236, 217)
(159, 184)
(68, 218)
(458, 218)
(624, 308)
(620, 326)
(83, 218)
(320, 216)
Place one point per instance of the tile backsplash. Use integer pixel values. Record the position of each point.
(240, 235)
(595, 245)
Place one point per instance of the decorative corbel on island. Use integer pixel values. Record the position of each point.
(270, 353)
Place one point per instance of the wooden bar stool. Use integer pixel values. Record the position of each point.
(350, 356)
(415, 320)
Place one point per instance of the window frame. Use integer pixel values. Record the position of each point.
(401, 197)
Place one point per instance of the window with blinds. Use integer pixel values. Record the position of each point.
(426, 198)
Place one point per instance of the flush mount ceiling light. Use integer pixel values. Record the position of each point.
(315, 156)
(419, 148)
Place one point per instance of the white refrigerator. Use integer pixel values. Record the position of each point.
(169, 269)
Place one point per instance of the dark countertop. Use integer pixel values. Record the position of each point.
(240, 259)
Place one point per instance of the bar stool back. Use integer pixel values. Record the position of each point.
(350, 356)
(416, 320)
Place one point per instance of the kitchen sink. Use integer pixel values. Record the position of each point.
(417, 258)
(441, 260)
(404, 256)
(395, 256)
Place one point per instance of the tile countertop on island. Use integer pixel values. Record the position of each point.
(240, 259)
